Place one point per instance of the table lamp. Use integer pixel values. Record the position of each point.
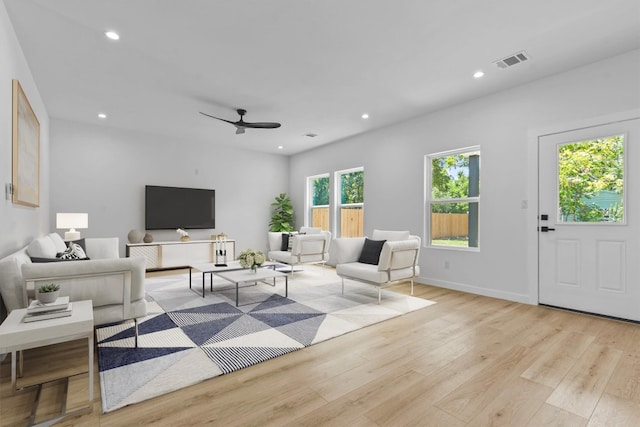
(72, 221)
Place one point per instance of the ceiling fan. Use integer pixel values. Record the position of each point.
(241, 125)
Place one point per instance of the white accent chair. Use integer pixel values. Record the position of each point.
(309, 246)
(398, 259)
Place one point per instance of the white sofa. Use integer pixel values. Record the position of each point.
(115, 285)
(309, 246)
(398, 259)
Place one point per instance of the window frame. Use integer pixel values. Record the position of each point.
(338, 205)
(429, 200)
(308, 218)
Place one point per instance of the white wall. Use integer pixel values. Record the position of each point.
(393, 159)
(19, 224)
(103, 171)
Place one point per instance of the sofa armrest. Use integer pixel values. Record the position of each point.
(399, 254)
(102, 247)
(275, 241)
(347, 249)
(311, 244)
(61, 271)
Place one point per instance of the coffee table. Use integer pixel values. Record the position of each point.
(246, 276)
(16, 335)
(212, 268)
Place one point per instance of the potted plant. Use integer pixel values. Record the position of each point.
(48, 293)
(281, 214)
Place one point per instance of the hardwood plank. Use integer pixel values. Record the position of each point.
(515, 405)
(615, 411)
(551, 416)
(579, 392)
(554, 363)
(625, 381)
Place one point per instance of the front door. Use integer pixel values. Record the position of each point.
(588, 219)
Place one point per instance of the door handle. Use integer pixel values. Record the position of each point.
(545, 229)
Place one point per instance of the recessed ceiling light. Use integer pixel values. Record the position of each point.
(112, 35)
(280, 147)
(478, 74)
(365, 116)
(102, 116)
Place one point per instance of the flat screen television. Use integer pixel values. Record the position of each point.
(168, 208)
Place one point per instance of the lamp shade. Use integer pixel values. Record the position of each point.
(72, 221)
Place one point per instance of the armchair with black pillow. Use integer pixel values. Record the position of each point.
(389, 257)
(308, 246)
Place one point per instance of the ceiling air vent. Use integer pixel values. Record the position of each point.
(512, 60)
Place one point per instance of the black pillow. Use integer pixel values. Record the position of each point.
(371, 251)
(285, 242)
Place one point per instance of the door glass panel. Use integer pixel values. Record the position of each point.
(591, 181)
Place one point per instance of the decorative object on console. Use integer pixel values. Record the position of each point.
(281, 214)
(184, 236)
(72, 221)
(135, 236)
(220, 249)
(148, 238)
(48, 293)
(252, 259)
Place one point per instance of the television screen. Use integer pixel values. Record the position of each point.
(173, 207)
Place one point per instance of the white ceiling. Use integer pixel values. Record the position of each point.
(314, 66)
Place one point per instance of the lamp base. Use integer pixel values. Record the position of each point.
(72, 235)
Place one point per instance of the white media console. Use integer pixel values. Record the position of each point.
(166, 255)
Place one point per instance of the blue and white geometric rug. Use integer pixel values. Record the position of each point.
(186, 339)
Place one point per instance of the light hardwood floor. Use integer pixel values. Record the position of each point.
(466, 361)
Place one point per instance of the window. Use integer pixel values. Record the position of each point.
(350, 196)
(591, 181)
(453, 198)
(318, 196)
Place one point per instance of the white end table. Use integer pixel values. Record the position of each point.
(15, 335)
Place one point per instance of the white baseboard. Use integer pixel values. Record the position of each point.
(509, 296)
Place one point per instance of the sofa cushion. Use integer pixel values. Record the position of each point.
(42, 247)
(390, 235)
(371, 251)
(310, 230)
(57, 242)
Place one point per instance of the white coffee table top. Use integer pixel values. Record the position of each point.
(210, 267)
(245, 275)
(16, 335)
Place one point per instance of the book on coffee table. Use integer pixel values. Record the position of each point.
(44, 315)
(62, 303)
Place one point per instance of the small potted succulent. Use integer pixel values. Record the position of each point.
(48, 293)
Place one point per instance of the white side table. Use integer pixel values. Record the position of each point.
(15, 335)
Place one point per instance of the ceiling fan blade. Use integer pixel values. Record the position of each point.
(264, 125)
(218, 118)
